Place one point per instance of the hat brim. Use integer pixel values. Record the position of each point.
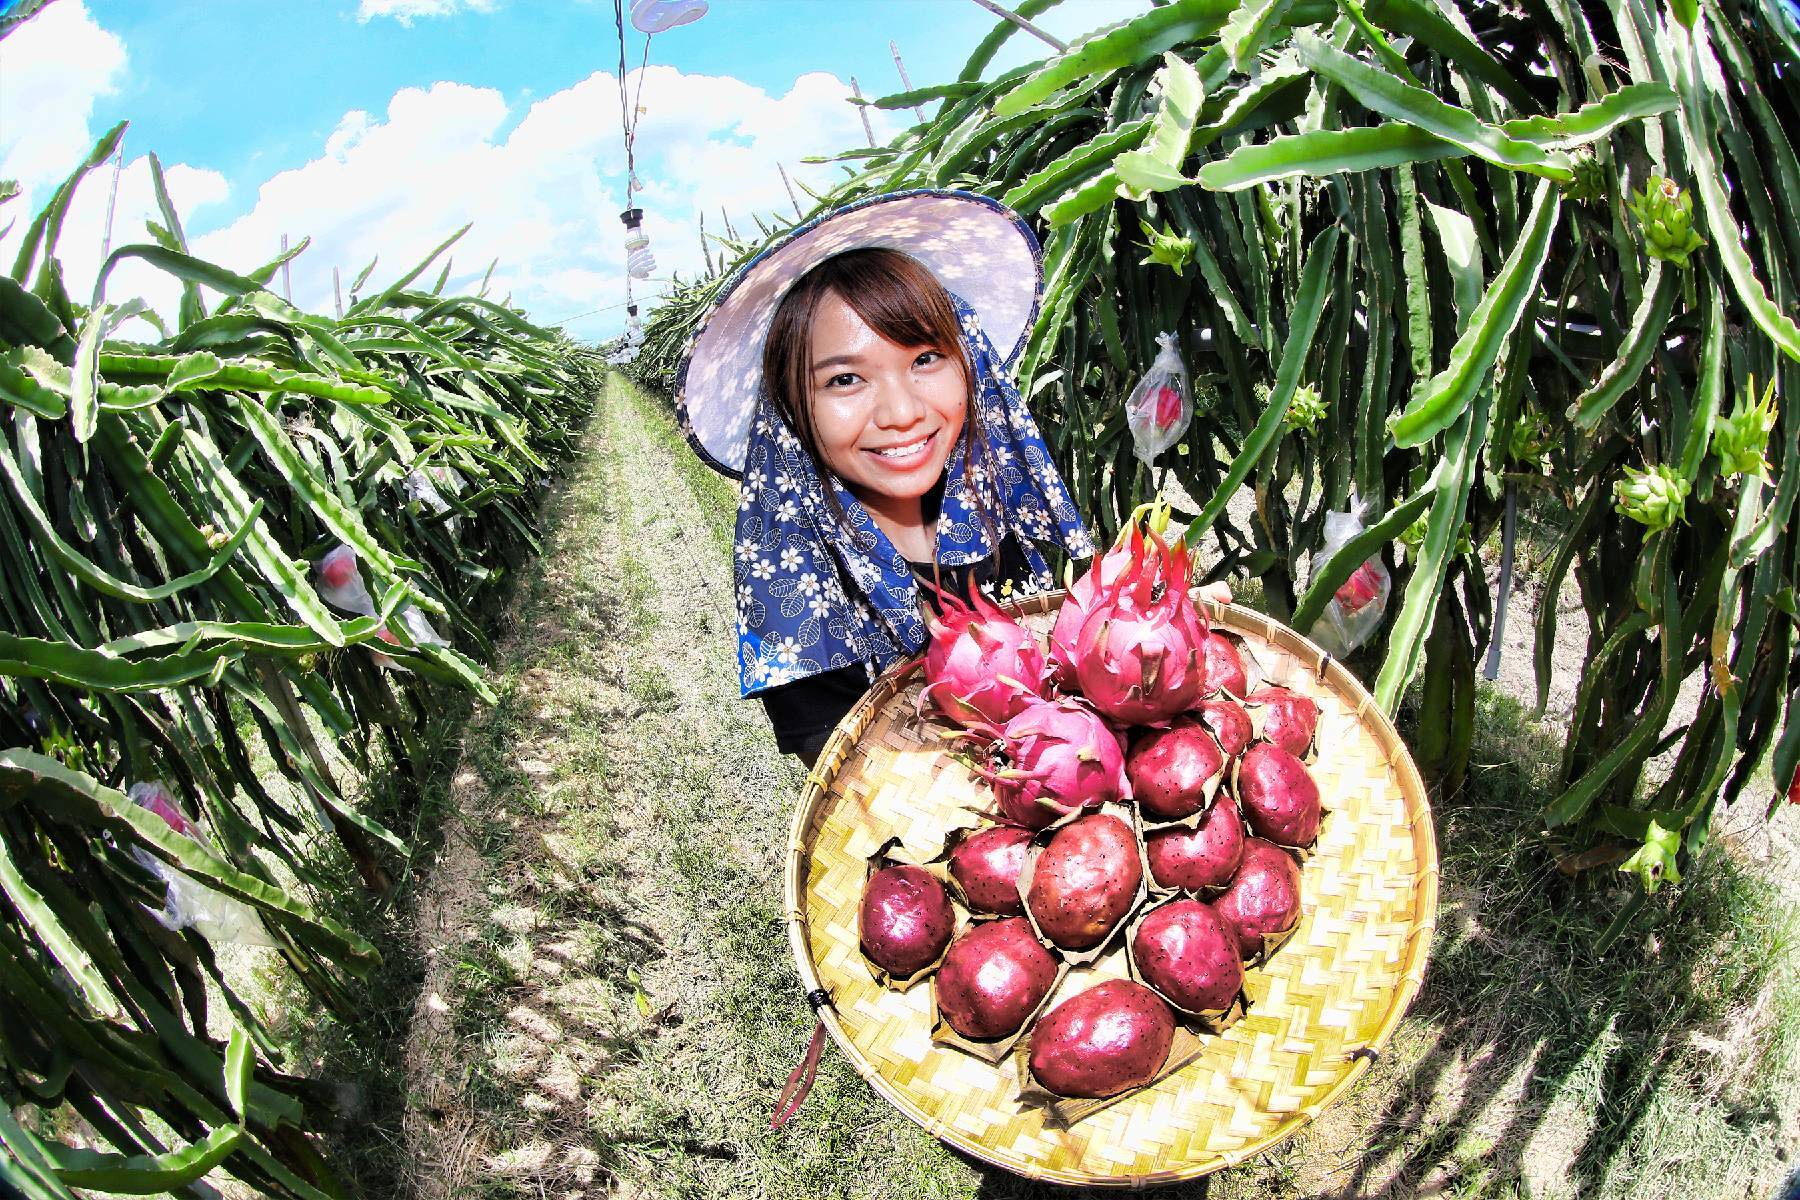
(978, 248)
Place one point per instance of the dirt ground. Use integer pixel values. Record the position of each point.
(609, 1006)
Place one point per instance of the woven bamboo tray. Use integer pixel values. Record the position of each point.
(1321, 1007)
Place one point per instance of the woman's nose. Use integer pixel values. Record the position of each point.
(899, 405)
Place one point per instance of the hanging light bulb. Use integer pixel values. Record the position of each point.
(634, 328)
(638, 261)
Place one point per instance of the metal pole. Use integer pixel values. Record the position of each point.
(1491, 671)
(904, 81)
(337, 293)
(863, 112)
(287, 283)
(1022, 23)
(112, 200)
(790, 191)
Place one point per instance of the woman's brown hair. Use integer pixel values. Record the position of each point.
(897, 297)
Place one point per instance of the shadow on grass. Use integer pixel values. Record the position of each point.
(1529, 1060)
(1548, 1062)
(360, 1058)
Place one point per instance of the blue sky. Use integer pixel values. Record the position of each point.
(382, 125)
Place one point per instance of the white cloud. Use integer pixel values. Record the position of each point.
(543, 195)
(542, 185)
(53, 68)
(406, 11)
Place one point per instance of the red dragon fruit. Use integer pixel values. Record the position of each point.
(1064, 756)
(1168, 406)
(1137, 658)
(1175, 771)
(1363, 586)
(982, 667)
(1288, 719)
(1222, 667)
(1229, 723)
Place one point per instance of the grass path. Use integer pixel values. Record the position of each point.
(609, 1007)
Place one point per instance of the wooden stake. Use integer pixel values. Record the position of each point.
(863, 112)
(905, 83)
(1022, 23)
(287, 283)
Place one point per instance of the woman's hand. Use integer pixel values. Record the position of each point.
(1216, 593)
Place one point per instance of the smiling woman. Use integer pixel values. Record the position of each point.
(870, 373)
(883, 447)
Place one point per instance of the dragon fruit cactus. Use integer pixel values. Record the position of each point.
(1064, 757)
(982, 667)
(1138, 658)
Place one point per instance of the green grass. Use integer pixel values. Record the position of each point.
(629, 830)
(1663, 1067)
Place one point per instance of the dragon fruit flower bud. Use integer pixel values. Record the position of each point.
(1656, 498)
(1741, 438)
(1665, 213)
(1306, 410)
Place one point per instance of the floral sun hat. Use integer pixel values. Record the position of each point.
(979, 249)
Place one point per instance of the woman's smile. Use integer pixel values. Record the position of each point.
(906, 454)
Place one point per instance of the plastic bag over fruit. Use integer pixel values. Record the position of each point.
(1355, 610)
(186, 901)
(340, 583)
(1159, 408)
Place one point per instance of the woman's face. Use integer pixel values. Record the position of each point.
(884, 416)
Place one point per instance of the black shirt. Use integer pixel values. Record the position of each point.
(805, 712)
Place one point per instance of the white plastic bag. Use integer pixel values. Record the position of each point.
(1159, 408)
(340, 583)
(186, 901)
(1357, 607)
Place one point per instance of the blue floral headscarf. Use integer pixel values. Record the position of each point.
(794, 553)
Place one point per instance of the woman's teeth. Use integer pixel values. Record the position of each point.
(910, 450)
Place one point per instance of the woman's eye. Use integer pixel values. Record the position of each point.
(927, 358)
(840, 381)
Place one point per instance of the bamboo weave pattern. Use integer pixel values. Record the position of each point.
(1335, 991)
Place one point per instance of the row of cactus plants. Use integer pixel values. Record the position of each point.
(189, 707)
(1441, 256)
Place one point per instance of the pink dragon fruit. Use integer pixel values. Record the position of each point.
(982, 667)
(1138, 657)
(1064, 756)
(155, 796)
(1105, 571)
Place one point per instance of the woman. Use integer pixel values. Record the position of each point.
(847, 377)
